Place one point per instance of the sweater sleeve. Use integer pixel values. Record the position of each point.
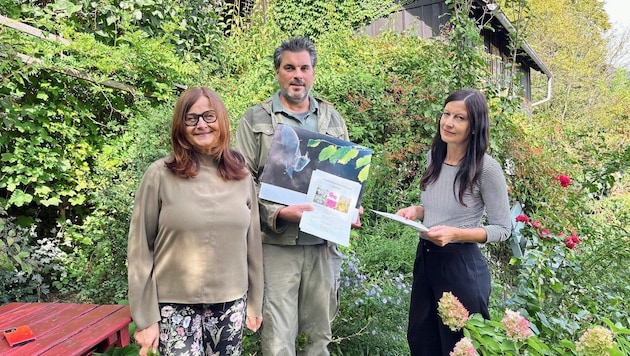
(143, 229)
(495, 197)
(254, 259)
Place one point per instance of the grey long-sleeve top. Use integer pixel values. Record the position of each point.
(193, 241)
(441, 206)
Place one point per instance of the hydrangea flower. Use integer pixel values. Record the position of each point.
(516, 326)
(595, 341)
(452, 311)
(464, 347)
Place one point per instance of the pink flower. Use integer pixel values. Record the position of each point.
(522, 218)
(516, 326)
(452, 311)
(536, 224)
(237, 320)
(464, 347)
(571, 241)
(544, 233)
(564, 180)
(595, 341)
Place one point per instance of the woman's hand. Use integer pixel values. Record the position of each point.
(414, 212)
(253, 322)
(442, 235)
(148, 338)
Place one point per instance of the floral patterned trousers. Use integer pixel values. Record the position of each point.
(202, 329)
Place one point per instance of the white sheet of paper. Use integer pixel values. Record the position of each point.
(334, 201)
(415, 224)
(281, 195)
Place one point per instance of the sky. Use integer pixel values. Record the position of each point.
(618, 12)
(619, 16)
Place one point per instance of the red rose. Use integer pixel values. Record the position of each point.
(571, 241)
(522, 218)
(564, 180)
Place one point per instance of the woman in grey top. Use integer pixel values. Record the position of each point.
(460, 184)
(195, 251)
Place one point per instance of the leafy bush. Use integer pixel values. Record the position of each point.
(100, 264)
(318, 17)
(373, 310)
(568, 292)
(28, 271)
(195, 28)
(61, 147)
(514, 335)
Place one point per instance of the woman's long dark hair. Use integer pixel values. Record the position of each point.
(185, 161)
(471, 164)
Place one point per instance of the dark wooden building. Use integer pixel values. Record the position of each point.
(426, 17)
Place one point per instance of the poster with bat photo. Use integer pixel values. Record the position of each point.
(295, 153)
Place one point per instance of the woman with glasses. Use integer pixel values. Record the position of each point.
(194, 250)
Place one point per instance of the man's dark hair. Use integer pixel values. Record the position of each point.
(295, 44)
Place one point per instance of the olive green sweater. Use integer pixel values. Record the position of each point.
(193, 241)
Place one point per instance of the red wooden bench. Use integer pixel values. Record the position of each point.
(66, 328)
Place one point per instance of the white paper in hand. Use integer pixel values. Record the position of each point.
(415, 224)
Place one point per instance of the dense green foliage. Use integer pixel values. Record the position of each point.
(73, 148)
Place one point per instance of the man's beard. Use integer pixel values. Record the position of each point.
(295, 97)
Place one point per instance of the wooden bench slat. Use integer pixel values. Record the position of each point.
(66, 326)
(114, 327)
(9, 312)
(46, 321)
(59, 323)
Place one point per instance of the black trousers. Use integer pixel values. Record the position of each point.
(459, 268)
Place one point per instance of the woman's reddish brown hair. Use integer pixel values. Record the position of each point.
(185, 162)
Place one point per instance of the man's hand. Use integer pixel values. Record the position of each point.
(357, 223)
(148, 338)
(293, 213)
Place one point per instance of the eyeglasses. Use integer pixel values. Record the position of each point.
(192, 119)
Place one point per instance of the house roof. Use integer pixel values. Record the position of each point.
(504, 27)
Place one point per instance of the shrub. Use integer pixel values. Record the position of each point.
(373, 311)
(29, 272)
